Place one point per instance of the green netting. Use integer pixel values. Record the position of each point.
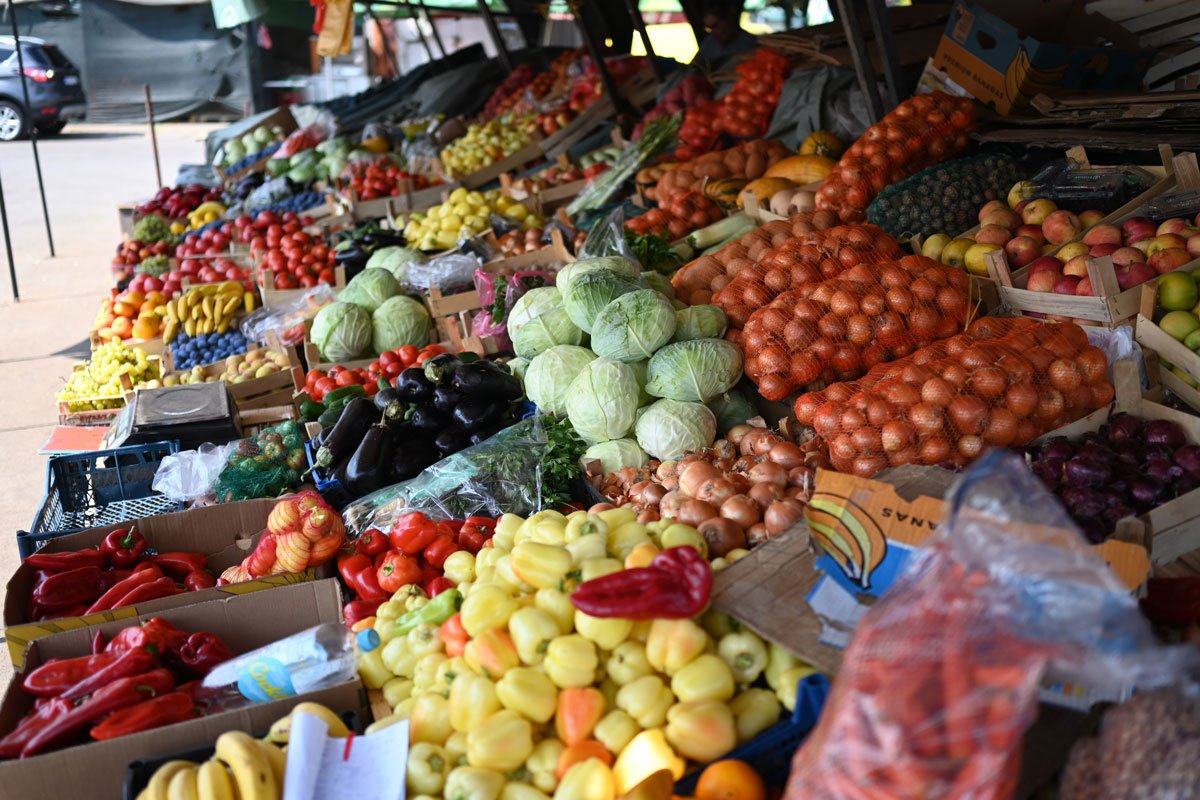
(265, 465)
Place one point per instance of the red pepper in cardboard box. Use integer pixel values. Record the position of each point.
(123, 548)
(303, 531)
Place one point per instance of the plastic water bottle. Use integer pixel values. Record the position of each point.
(313, 659)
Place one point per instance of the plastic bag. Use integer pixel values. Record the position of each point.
(451, 271)
(288, 321)
(941, 679)
(266, 465)
(1117, 343)
(492, 320)
(271, 192)
(189, 476)
(607, 238)
(497, 476)
(305, 138)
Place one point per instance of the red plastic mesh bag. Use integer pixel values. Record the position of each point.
(840, 328)
(801, 260)
(922, 131)
(1004, 392)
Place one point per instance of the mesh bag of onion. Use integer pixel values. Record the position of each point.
(1002, 392)
(922, 131)
(799, 261)
(840, 328)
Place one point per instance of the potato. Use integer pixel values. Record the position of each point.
(756, 165)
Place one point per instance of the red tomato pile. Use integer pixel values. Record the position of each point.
(508, 92)
(412, 553)
(295, 258)
(390, 364)
(382, 177)
(176, 202)
(747, 110)
(215, 266)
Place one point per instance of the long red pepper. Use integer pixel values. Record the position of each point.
(142, 575)
(63, 589)
(179, 564)
(63, 562)
(131, 662)
(677, 584)
(163, 710)
(163, 587)
(57, 675)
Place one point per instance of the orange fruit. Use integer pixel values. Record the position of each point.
(730, 780)
(122, 327)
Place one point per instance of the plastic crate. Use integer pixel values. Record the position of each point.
(770, 753)
(329, 486)
(102, 487)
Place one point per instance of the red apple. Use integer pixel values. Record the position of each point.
(1124, 256)
(1137, 228)
(1143, 245)
(1045, 264)
(1134, 275)
(1175, 225)
(1061, 226)
(1022, 250)
(1098, 250)
(1001, 216)
(1166, 260)
(1067, 284)
(1091, 217)
(1043, 280)
(1033, 232)
(1166, 241)
(1036, 212)
(1193, 245)
(1084, 288)
(990, 206)
(1020, 207)
(1103, 234)
(1076, 266)
(993, 234)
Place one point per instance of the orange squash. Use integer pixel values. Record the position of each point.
(802, 169)
(762, 189)
(725, 191)
(822, 143)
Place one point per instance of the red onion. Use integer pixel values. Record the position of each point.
(1188, 457)
(1146, 491)
(1128, 451)
(1058, 448)
(1083, 502)
(1083, 471)
(1158, 468)
(1161, 431)
(1124, 427)
(1049, 473)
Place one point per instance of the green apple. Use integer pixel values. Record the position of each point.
(955, 251)
(1180, 324)
(1177, 291)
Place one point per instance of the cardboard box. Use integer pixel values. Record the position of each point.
(1001, 52)
(225, 533)
(245, 622)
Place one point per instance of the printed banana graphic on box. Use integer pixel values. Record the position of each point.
(848, 534)
(1023, 81)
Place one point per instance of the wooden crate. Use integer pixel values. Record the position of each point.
(1150, 335)
(1109, 308)
(406, 202)
(104, 416)
(554, 253)
(284, 119)
(153, 347)
(273, 298)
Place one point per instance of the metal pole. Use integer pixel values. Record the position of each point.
(437, 37)
(12, 267)
(635, 16)
(416, 18)
(885, 43)
(501, 48)
(153, 135)
(37, 161)
(862, 60)
(593, 46)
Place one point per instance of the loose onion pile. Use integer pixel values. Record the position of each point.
(747, 488)
(748, 160)
(1001, 393)
(678, 216)
(840, 328)
(697, 281)
(808, 258)
(1130, 466)
(922, 131)
(516, 242)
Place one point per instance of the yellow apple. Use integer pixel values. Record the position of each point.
(934, 245)
(974, 258)
(955, 250)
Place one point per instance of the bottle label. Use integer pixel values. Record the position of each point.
(265, 679)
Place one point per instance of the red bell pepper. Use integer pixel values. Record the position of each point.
(123, 548)
(108, 698)
(179, 564)
(198, 580)
(437, 585)
(202, 651)
(358, 610)
(162, 587)
(412, 533)
(64, 562)
(677, 584)
(358, 572)
(396, 570)
(439, 550)
(59, 674)
(371, 543)
(145, 573)
(63, 589)
(475, 531)
(163, 635)
(163, 710)
(129, 662)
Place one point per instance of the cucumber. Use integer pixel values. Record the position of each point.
(331, 415)
(311, 409)
(348, 392)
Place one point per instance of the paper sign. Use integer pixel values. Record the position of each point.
(364, 767)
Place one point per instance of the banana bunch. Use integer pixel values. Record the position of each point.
(208, 308)
(243, 768)
(206, 212)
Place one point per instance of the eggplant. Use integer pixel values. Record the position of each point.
(356, 419)
(388, 401)
(414, 455)
(486, 379)
(484, 433)
(451, 439)
(367, 469)
(475, 412)
(425, 418)
(445, 398)
(440, 369)
(352, 254)
(385, 397)
(413, 384)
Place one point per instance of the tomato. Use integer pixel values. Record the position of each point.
(313, 376)
(347, 378)
(408, 354)
(323, 387)
(393, 369)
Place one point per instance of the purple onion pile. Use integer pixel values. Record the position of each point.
(1127, 468)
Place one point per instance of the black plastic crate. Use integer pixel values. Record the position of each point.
(102, 487)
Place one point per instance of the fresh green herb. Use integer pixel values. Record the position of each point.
(653, 251)
(560, 465)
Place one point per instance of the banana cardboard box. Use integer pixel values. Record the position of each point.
(97, 770)
(1006, 53)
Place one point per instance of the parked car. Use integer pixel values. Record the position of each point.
(55, 89)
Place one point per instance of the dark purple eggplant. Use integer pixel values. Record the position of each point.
(475, 412)
(426, 419)
(413, 385)
(344, 438)
(368, 468)
(440, 369)
(445, 398)
(451, 439)
(487, 379)
(413, 455)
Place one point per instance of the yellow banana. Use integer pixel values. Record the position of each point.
(277, 760)
(231, 304)
(157, 788)
(283, 727)
(189, 327)
(213, 782)
(248, 301)
(170, 330)
(183, 785)
(251, 770)
(206, 307)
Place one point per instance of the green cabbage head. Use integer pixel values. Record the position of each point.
(370, 288)
(602, 400)
(617, 454)
(696, 370)
(699, 322)
(395, 260)
(670, 429)
(539, 321)
(400, 321)
(550, 374)
(341, 331)
(633, 326)
(571, 272)
(592, 291)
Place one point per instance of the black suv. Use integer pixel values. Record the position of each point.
(55, 89)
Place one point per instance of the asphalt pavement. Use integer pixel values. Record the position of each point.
(88, 170)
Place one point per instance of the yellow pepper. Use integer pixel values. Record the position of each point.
(532, 630)
(411, 597)
(522, 791)
(627, 662)
(430, 718)
(746, 655)
(754, 710)
(609, 688)
(582, 525)
(447, 672)
(623, 539)
(640, 632)
(506, 528)
(789, 683)
(587, 548)
(680, 535)
(615, 730)
(456, 748)
(571, 661)
(487, 607)
(491, 653)
(587, 780)
(736, 555)
(719, 624)
(646, 700)
(459, 567)
(703, 730)
(706, 677)
(390, 610)
(404, 708)
(424, 639)
(605, 632)
(504, 572)
(641, 556)
(473, 699)
(372, 669)
(543, 566)
(718, 564)
(528, 692)
(501, 742)
(428, 765)
(598, 568)
(645, 755)
(779, 661)
(485, 561)
(469, 783)
(425, 673)
(397, 690)
(399, 658)
(542, 764)
(616, 517)
(558, 605)
(551, 531)
(673, 643)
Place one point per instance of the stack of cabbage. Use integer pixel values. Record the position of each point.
(642, 386)
(370, 317)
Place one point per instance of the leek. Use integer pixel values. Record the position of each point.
(721, 233)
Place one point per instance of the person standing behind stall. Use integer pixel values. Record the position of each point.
(722, 20)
